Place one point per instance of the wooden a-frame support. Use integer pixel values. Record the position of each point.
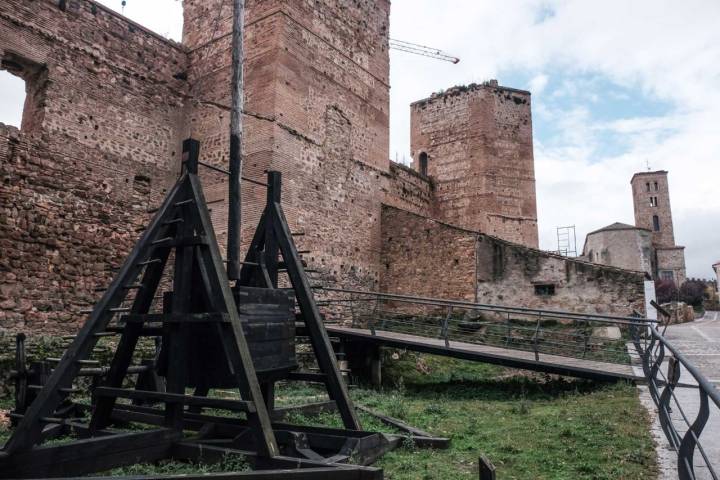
(201, 293)
(261, 268)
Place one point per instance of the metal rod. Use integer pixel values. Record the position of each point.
(236, 131)
(213, 167)
(498, 308)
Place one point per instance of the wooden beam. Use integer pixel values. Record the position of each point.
(317, 473)
(88, 456)
(177, 398)
(203, 317)
(420, 437)
(128, 340)
(318, 335)
(198, 452)
(235, 345)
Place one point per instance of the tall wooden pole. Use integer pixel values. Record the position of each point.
(234, 200)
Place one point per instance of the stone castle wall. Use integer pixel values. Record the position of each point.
(100, 146)
(423, 256)
(316, 104)
(110, 102)
(478, 140)
(673, 260)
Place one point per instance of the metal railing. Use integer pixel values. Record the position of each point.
(654, 349)
(539, 331)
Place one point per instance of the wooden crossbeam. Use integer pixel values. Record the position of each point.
(311, 315)
(222, 403)
(89, 455)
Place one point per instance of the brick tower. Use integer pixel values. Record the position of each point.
(475, 142)
(651, 201)
(316, 103)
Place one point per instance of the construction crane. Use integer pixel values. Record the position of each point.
(416, 49)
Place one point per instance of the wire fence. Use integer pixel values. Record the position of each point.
(544, 332)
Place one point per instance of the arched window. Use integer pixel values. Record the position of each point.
(656, 223)
(423, 160)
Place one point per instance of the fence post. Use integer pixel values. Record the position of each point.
(487, 469)
(535, 339)
(21, 374)
(444, 330)
(686, 452)
(507, 333)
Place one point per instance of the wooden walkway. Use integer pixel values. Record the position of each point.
(574, 367)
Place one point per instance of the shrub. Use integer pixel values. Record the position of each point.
(692, 292)
(666, 291)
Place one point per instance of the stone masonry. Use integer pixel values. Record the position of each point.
(110, 102)
(476, 144)
(98, 146)
(620, 245)
(651, 201)
(423, 256)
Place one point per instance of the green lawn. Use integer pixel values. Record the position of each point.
(529, 426)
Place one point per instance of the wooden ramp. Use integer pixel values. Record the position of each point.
(560, 365)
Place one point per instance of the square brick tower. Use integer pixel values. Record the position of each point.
(316, 109)
(651, 201)
(476, 143)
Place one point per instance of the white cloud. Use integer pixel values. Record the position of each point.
(538, 84)
(12, 99)
(661, 49)
(161, 16)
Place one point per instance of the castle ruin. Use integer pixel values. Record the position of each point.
(109, 103)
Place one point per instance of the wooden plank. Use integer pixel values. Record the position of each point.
(494, 355)
(181, 303)
(249, 269)
(317, 473)
(209, 453)
(28, 431)
(272, 249)
(89, 455)
(128, 340)
(487, 469)
(318, 335)
(307, 377)
(420, 437)
(177, 398)
(204, 317)
(236, 347)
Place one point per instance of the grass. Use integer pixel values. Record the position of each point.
(531, 426)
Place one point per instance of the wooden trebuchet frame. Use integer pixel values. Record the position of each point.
(201, 297)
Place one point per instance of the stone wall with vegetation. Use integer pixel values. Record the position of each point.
(422, 256)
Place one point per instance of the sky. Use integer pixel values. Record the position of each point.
(616, 86)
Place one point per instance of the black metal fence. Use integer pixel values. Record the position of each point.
(550, 332)
(685, 430)
(595, 337)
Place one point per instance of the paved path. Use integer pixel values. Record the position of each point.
(576, 367)
(699, 342)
